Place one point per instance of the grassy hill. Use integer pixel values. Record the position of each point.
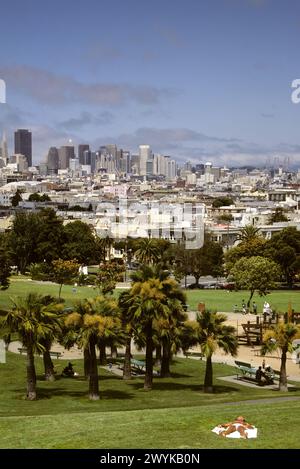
(175, 414)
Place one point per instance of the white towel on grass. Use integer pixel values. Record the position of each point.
(250, 432)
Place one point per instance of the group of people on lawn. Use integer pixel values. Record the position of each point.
(266, 308)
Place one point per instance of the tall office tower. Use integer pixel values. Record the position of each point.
(81, 149)
(4, 150)
(216, 172)
(160, 165)
(135, 164)
(74, 165)
(171, 168)
(22, 163)
(23, 144)
(200, 168)
(105, 161)
(149, 167)
(112, 150)
(52, 160)
(93, 161)
(125, 162)
(119, 157)
(65, 154)
(207, 167)
(86, 157)
(187, 166)
(209, 177)
(145, 154)
(89, 159)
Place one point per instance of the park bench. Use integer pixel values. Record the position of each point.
(138, 365)
(276, 375)
(247, 370)
(193, 354)
(52, 354)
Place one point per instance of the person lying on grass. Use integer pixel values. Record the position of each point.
(239, 424)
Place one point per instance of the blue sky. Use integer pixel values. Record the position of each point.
(198, 80)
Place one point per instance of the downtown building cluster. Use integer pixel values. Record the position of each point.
(123, 194)
(83, 161)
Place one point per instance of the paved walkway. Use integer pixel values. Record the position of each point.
(251, 384)
(268, 400)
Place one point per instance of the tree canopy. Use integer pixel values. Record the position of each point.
(255, 274)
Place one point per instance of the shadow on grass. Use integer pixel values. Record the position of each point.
(169, 386)
(43, 393)
(113, 394)
(179, 375)
(77, 379)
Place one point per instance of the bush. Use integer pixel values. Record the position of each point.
(40, 272)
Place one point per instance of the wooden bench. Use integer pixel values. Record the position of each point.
(193, 354)
(52, 354)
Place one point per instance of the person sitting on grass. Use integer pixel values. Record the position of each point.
(239, 424)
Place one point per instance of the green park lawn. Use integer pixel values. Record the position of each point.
(175, 414)
(219, 300)
(224, 301)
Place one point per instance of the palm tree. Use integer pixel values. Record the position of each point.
(150, 294)
(93, 320)
(147, 252)
(168, 329)
(106, 244)
(34, 322)
(51, 336)
(212, 333)
(281, 337)
(127, 326)
(248, 234)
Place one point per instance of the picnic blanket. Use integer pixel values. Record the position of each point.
(250, 432)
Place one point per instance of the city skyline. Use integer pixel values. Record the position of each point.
(196, 80)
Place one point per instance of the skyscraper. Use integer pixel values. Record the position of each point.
(81, 149)
(23, 144)
(145, 155)
(52, 160)
(3, 151)
(65, 154)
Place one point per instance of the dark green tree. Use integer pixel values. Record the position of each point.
(36, 197)
(50, 239)
(23, 238)
(5, 261)
(16, 198)
(277, 216)
(284, 248)
(222, 202)
(80, 243)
